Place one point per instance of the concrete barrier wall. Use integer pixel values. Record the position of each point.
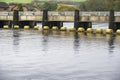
(117, 18)
(61, 16)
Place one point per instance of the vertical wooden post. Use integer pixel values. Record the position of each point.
(45, 18)
(15, 17)
(111, 20)
(76, 19)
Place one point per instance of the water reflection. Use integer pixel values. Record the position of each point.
(16, 39)
(45, 39)
(55, 32)
(80, 34)
(111, 43)
(76, 43)
(63, 33)
(45, 32)
(118, 38)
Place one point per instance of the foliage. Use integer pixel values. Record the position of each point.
(117, 5)
(79, 0)
(36, 3)
(97, 5)
(20, 7)
(16, 1)
(64, 7)
(100, 5)
(49, 6)
(28, 1)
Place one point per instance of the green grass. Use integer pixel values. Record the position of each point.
(79, 0)
(28, 1)
(16, 1)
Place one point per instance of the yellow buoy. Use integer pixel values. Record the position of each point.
(16, 26)
(81, 29)
(5, 26)
(118, 31)
(99, 30)
(36, 27)
(89, 30)
(54, 28)
(63, 29)
(109, 31)
(26, 27)
(72, 29)
(45, 27)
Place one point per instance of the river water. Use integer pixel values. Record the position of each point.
(47, 55)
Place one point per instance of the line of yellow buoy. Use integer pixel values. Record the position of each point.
(72, 29)
(26, 27)
(97, 31)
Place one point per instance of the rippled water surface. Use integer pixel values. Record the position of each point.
(37, 55)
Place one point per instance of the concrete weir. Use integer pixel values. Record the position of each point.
(46, 22)
(5, 22)
(56, 18)
(78, 23)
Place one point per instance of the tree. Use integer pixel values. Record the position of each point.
(65, 7)
(49, 6)
(20, 7)
(99, 5)
(109, 4)
(117, 5)
(95, 5)
(82, 6)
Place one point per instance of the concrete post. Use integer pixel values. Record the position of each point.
(111, 20)
(45, 18)
(76, 19)
(15, 17)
